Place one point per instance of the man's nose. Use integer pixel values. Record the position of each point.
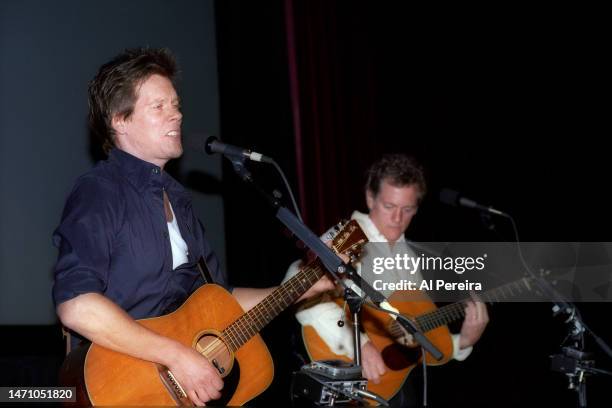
(177, 115)
(396, 216)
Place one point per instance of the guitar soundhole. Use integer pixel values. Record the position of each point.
(217, 352)
(398, 357)
(220, 356)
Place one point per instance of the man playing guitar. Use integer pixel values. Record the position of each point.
(394, 189)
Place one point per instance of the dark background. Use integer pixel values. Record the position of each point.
(505, 104)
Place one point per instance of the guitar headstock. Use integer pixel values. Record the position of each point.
(347, 238)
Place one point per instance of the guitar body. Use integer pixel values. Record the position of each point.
(112, 378)
(212, 322)
(399, 358)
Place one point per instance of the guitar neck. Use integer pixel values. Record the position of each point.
(456, 311)
(249, 324)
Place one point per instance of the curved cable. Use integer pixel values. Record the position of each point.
(288, 187)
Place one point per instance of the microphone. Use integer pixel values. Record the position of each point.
(454, 198)
(213, 145)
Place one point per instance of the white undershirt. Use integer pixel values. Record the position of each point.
(180, 251)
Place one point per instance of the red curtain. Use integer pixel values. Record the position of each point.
(334, 116)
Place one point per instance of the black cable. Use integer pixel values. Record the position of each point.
(424, 377)
(288, 187)
(423, 352)
(291, 387)
(339, 390)
(375, 397)
(600, 342)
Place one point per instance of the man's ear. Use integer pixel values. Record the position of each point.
(370, 199)
(119, 124)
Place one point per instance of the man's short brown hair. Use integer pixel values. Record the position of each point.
(397, 169)
(113, 91)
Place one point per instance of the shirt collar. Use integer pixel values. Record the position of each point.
(141, 173)
(368, 226)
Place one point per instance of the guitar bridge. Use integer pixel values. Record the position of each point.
(174, 388)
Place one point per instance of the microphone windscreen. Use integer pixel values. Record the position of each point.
(196, 141)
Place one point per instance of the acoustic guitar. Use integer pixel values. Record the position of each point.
(398, 352)
(213, 323)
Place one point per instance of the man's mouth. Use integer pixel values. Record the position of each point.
(174, 133)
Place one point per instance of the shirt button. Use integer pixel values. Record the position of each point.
(155, 171)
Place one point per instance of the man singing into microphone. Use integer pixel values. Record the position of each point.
(129, 239)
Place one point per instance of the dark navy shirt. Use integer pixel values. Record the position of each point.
(113, 239)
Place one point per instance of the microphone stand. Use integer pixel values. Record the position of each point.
(334, 265)
(574, 361)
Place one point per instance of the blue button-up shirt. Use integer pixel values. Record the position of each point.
(113, 239)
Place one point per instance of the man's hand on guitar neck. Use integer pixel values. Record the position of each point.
(372, 362)
(476, 319)
(325, 284)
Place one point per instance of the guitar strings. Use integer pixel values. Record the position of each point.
(234, 336)
(249, 324)
(235, 331)
(450, 312)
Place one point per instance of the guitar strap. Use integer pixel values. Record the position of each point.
(204, 271)
(67, 339)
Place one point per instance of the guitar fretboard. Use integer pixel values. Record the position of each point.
(250, 323)
(456, 311)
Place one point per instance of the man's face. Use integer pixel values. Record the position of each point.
(153, 131)
(392, 208)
